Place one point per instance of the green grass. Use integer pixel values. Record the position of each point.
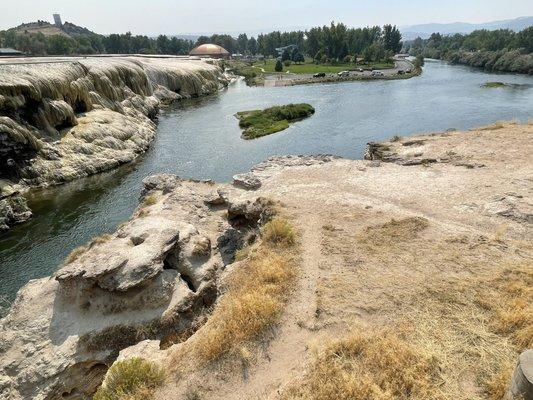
(310, 67)
(257, 123)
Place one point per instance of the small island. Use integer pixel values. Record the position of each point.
(257, 123)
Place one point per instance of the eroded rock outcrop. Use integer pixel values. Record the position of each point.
(67, 119)
(154, 278)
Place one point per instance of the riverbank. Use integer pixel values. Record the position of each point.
(257, 76)
(512, 61)
(467, 235)
(65, 119)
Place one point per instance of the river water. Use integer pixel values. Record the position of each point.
(200, 138)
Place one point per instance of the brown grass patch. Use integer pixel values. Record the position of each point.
(387, 234)
(252, 303)
(75, 254)
(510, 299)
(279, 231)
(370, 366)
(253, 298)
(495, 126)
(149, 200)
(131, 379)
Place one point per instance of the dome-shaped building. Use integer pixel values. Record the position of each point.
(210, 50)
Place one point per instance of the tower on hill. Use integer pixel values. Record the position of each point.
(57, 20)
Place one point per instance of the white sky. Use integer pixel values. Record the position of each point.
(188, 16)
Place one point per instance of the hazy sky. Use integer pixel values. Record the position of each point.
(189, 16)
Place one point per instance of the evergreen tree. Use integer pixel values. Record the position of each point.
(279, 66)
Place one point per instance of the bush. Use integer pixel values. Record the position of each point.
(134, 379)
(279, 232)
(419, 62)
(279, 66)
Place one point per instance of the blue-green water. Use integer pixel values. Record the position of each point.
(201, 139)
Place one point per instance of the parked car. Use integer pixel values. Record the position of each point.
(377, 73)
(408, 71)
(343, 74)
(401, 72)
(360, 70)
(319, 75)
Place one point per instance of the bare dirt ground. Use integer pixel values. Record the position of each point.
(434, 250)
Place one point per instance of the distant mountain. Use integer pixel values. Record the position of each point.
(425, 30)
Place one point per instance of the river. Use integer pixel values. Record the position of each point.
(200, 138)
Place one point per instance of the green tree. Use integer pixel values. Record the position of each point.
(279, 66)
(252, 46)
(392, 38)
(419, 61)
(59, 45)
(242, 42)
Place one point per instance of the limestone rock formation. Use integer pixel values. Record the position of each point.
(67, 119)
(154, 278)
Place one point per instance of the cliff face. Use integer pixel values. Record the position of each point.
(63, 120)
(154, 278)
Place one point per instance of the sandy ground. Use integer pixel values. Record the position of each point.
(385, 244)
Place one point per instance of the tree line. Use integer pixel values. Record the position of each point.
(499, 50)
(327, 43)
(39, 44)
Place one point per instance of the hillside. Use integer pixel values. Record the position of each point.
(48, 29)
(425, 30)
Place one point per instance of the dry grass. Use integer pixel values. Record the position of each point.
(510, 299)
(475, 328)
(150, 200)
(279, 231)
(79, 251)
(252, 303)
(385, 235)
(253, 299)
(396, 138)
(380, 365)
(75, 254)
(131, 379)
(495, 126)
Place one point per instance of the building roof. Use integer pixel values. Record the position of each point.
(209, 50)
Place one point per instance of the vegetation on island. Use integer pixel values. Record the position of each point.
(498, 50)
(494, 84)
(257, 123)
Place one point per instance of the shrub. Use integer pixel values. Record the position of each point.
(279, 232)
(134, 379)
(279, 66)
(150, 200)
